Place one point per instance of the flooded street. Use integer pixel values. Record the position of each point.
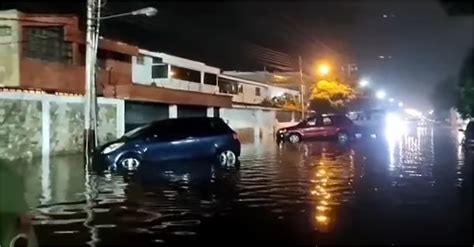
(413, 189)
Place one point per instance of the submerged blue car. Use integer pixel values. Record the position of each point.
(173, 139)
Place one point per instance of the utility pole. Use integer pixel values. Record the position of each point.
(301, 89)
(89, 97)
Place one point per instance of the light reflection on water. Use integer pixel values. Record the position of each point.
(301, 193)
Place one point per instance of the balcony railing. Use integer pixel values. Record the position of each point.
(183, 85)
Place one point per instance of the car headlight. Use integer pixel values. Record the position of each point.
(112, 147)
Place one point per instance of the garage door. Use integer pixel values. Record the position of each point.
(192, 111)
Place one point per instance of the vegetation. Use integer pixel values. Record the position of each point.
(331, 96)
(286, 101)
(465, 101)
(443, 96)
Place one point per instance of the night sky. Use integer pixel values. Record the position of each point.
(420, 44)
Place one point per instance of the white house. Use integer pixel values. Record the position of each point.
(164, 70)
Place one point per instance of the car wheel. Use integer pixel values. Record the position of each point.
(342, 136)
(294, 138)
(227, 158)
(130, 162)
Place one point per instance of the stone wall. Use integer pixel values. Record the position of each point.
(20, 128)
(36, 124)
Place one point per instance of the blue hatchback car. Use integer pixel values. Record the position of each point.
(173, 139)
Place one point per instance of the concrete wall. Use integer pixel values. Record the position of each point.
(9, 50)
(249, 96)
(254, 122)
(40, 124)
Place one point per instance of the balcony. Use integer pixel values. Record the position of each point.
(183, 85)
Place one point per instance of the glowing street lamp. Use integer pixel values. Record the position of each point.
(324, 69)
(391, 100)
(400, 104)
(149, 11)
(380, 94)
(364, 83)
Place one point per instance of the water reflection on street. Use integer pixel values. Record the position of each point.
(414, 188)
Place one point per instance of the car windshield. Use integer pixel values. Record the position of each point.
(135, 132)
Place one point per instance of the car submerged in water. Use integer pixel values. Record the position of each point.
(338, 126)
(171, 140)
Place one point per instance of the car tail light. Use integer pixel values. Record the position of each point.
(235, 136)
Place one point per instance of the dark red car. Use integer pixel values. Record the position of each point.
(338, 126)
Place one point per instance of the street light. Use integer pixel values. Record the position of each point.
(324, 69)
(364, 83)
(380, 94)
(149, 11)
(391, 100)
(400, 104)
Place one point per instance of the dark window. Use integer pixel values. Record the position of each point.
(228, 86)
(159, 71)
(157, 60)
(210, 79)
(186, 74)
(5, 30)
(241, 88)
(47, 43)
(257, 91)
(140, 59)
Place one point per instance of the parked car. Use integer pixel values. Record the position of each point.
(338, 126)
(173, 139)
(468, 140)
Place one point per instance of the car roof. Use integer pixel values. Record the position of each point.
(183, 119)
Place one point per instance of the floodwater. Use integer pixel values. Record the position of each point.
(411, 189)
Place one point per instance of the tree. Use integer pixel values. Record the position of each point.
(443, 96)
(465, 103)
(330, 96)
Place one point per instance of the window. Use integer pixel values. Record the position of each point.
(311, 122)
(257, 91)
(327, 121)
(186, 74)
(140, 59)
(241, 88)
(5, 30)
(47, 43)
(228, 86)
(210, 79)
(157, 60)
(159, 71)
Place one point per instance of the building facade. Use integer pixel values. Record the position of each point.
(46, 53)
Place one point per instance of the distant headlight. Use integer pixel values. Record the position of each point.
(112, 147)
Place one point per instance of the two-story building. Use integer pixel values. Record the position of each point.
(47, 53)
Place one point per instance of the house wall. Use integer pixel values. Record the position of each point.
(248, 95)
(41, 124)
(9, 50)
